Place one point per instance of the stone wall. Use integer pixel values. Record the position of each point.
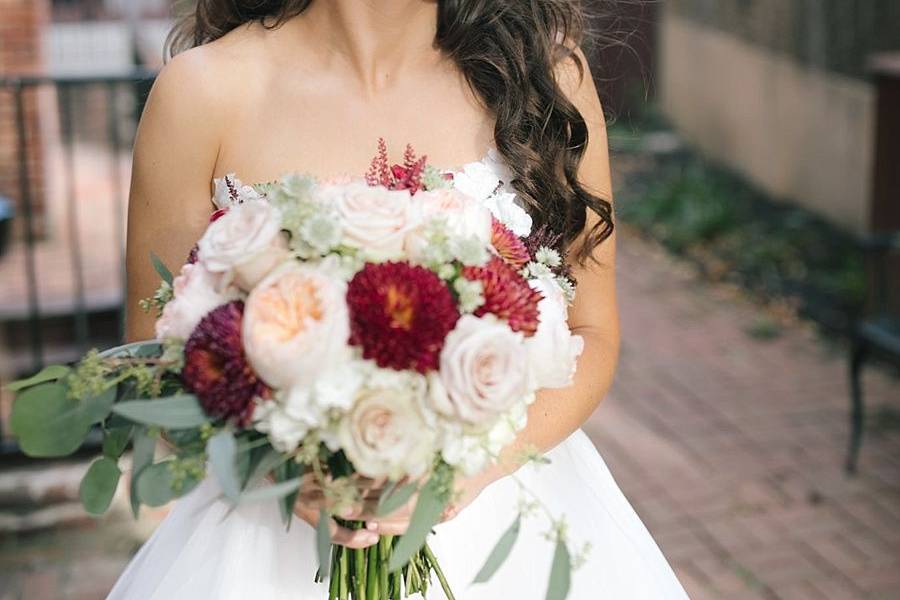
(776, 89)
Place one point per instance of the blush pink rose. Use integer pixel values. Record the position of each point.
(196, 292)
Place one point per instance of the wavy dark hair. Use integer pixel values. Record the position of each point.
(508, 53)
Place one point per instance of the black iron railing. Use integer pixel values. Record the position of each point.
(71, 327)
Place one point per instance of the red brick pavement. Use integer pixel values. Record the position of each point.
(729, 447)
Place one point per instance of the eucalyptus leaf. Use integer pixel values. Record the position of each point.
(97, 408)
(176, 412)
(47, 423)
(222, 451)
(270, 492)
(268, 462)
(50, 373)
(429, 508)
(142, 349)
(115, 440)
(142, 456)
(560, 573)
(99, 485)
(161, 269)
(284, 471)
(155, 484)
(396, 497)
(500, 552)
(323, 543)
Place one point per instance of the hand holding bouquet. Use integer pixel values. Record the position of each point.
(326, 338)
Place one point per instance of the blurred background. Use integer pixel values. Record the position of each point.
(755, 146)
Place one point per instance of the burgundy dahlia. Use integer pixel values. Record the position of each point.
(400, 314)
(506, 295)
(508, 245)
(215, 368)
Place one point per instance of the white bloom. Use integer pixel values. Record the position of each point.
(285, 432)
(483, 369)
(538, 270)
(552, 351)
(230, 191)
(472, 452)
(470, 294)
(197, 291)
(470, 251)
(451, 219)
(507, 210)
(548, 256)
(385, 434)
(374, 219)
(246, 243)
(477, 180)
(296, 324)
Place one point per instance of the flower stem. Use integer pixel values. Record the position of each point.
(433, 563)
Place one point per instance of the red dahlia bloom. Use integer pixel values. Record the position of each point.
(508, 245)
(507, 295)
(215, 368)
(400, 314)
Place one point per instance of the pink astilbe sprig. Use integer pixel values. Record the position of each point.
(407, 176)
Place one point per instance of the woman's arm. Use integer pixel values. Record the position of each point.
(174, 157)
(594, 315)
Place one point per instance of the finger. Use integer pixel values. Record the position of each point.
(352, 538)
(388, 527)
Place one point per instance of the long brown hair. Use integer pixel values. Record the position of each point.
(508, 52)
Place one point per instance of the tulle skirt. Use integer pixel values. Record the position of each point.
(205, 550)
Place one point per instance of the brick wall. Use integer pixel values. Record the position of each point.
(21, 37)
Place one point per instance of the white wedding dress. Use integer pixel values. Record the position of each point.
(200, 551)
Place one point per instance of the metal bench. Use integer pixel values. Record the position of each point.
(877, 333)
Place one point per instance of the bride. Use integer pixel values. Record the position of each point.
(497, 93)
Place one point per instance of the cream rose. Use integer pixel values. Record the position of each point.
(245, 243)
(196, 292)
(296, 324)
(384, 434)
(483, 371)
(552, 351)
(373, 218)
(464, 219)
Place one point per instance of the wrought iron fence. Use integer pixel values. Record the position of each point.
(82, 111)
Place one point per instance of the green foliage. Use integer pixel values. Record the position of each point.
(115, 440)
(735, 233)
(47, 422)
(155, 484)
(222, 451)
(177, 412)
(433, 498)
(50, 373)
(395, 497)
(323, 543)
(99, 485)
(500, 552)
(161, 269)
(90, 377)
(144, 445)
(560, 573)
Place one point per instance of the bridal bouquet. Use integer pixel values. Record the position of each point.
(391, 328)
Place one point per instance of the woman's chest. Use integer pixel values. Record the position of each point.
(327, 129)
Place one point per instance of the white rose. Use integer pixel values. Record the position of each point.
(483, 370)
(296, 324)
(229, 190)
(460, 217)
(196, 292)
(246, 243)
(373, 219)
(384, 434)
(552, 351)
